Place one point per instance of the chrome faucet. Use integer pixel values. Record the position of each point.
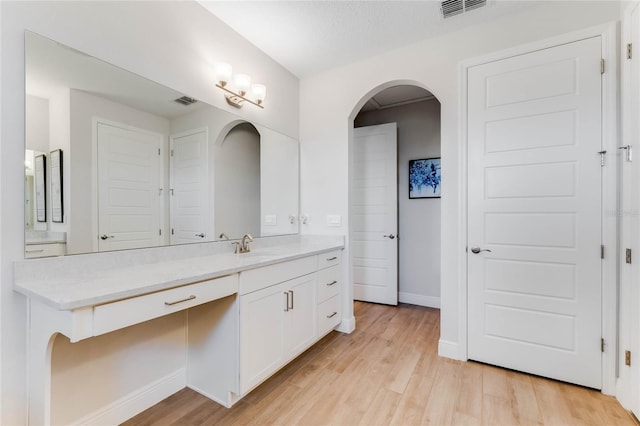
(244, 246)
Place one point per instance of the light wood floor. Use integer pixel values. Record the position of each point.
(388, 372)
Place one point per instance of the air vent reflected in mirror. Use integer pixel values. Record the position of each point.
(185, 100)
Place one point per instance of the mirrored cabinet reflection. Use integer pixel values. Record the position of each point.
(130, 164)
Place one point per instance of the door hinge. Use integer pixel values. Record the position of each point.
(629, 50)
(160, 232)
(602, 345)
(602, 66)
(627, 255)
(627, 358)
(158, 151)
(601, 251)
(172, 153)
(171, 231)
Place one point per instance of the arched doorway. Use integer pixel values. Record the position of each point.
(415, 276)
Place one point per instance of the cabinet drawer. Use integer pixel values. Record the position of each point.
(259, 278)
(328, 259)
(328, 282)
(33, 251)
(117, 315)
(329, 315)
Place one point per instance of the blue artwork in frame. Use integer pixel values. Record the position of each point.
(424, 178)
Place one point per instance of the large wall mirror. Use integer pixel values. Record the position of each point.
(143, 165)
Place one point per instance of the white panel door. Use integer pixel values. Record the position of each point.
(189, 171)
(534, 133)
(374, 214)
(129, 188)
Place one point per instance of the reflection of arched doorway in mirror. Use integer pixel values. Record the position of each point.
(395, 224)
(237, 183)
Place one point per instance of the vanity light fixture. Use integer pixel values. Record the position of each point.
(244, 90)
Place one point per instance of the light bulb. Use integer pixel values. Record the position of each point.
(258, 92)
(222, 71)
(243, 83)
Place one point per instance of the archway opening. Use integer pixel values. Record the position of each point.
(414, 238)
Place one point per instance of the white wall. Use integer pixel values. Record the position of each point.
(237, 183)
(79, 160)
(37, 129)
(172, 43)
(330, 100)
(418, 219)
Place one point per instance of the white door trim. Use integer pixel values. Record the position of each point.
(608, 33)
(627, 377)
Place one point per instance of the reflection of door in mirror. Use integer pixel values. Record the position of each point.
(237, 182)
(189, 189)
(30, 222)
(129, 187)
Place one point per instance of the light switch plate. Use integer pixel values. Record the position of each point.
(334, 220)
(270, 220)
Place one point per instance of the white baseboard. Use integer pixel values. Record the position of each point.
(420, 300)
(451, 350)
(347, 325)
(138, 401)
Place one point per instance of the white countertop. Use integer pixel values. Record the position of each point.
(74, 282)
(45, 237)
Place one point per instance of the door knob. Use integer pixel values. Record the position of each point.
(201, 235)
(390, 236)
(476, 250)
(105, 236)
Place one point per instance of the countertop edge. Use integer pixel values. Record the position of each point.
(87, 302)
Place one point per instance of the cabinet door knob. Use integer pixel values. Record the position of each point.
(105, 236)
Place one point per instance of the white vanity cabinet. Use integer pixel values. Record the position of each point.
(248, 315)
(329, 286)
(33, 251)
(276, 324)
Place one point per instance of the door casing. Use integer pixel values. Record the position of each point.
(609, 196)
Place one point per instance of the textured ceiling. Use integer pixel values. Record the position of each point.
(308, 37)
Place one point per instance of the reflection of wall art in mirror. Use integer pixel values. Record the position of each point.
(57, 210)
(41, 188)
(424, 178)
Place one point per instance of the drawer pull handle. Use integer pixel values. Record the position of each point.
(332, 283)
(332, 258)
(291, 291)
(186, 299)
(286, 303)
(332, 315)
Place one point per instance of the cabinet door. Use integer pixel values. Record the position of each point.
(300, 328)
(261, 335)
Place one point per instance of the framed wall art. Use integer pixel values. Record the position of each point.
(424, 178)
(40, 179)
(55, 158)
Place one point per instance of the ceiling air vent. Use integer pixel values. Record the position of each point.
(451, 8)
(185, 100)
